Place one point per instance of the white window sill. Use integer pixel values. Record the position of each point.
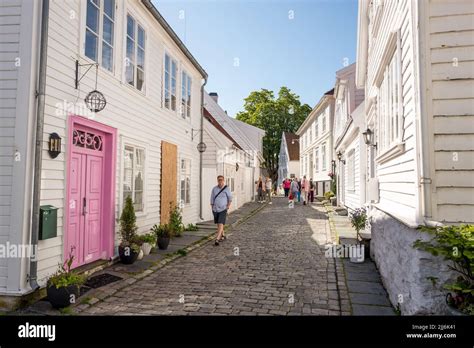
(391, 153)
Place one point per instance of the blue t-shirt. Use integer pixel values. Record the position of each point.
(220, 203)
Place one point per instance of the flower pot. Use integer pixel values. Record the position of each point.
(127, 255)
(163, 243)
(146, 247)
(63, 296)
(140, 254)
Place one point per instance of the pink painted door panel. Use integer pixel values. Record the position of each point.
(84, 232)
(93, 203)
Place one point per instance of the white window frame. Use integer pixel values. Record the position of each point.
(316, 128)
(186, 91)
(389, 106)
(183, 174)
(316, 159)
(137, 24)
(170, 80)
(350, 167)
(128, 142)
(323, 121)
(100, 34)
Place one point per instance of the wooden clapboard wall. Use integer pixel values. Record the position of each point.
(169, 179)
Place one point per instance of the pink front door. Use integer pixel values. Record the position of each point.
(88, 229)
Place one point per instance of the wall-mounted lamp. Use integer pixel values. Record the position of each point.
(339, 157)
(54, 145)
(369, 137)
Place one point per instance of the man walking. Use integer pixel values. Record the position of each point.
(305, 189)
(221, 198)
(268, 189)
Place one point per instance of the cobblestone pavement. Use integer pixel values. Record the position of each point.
(271, 264)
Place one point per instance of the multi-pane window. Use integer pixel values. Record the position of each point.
(351, 170)
(100, 24)
(323, 156)
(389, 105)
(324, 123)
(170, 75)
(185, 181)
(316, 160)
(316, 128)
(135, 60)
(310, 165)
(185, 95)
(134, 175)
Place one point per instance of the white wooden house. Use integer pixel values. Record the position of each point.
(316, 143)
(289, 157)
(349, 146)
(226, 156)
(414, 59)
(143, 144)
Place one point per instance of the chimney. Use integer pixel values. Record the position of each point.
(214, 96)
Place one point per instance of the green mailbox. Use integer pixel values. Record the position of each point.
(48, 222)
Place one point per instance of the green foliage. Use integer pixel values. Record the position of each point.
(456, 245)
(65, 276)
(176, 220)
(162, 231)
(328, 195)
(128, 226)
(191, 227)
(149, 238)
(274, 115)
(358, 219)
(182, 252)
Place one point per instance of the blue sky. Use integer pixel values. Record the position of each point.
(271, 49)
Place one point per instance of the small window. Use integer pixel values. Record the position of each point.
(185, 95)
(324, 123)
(170, 75)
(323, 156)
(100, 27)
(135, 54)
(316, 160)
(185, 181)
(316, 128)
(134, 175)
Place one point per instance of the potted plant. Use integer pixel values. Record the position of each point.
(129, 247)
(176, 220)
(358, 218)
(148, 241)
(62, 288)
(456, 245)
(163, 234)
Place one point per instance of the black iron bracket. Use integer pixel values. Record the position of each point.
(78, 79)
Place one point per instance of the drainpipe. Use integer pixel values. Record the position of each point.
(201, 139)
(39, 140)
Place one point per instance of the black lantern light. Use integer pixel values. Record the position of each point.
(369, 137)
(54, 145)
(339, 157)
(95, 101)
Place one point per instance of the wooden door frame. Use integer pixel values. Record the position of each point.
(108, 191)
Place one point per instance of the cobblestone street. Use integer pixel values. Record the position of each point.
(271, 264)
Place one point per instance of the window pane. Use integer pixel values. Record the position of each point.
(128, 172)
(141, 58)
(188, 189)
(129, 74)
(92, 19)
(167, 63)
(140, 79)
(141, 37)
(107, 56)
(130, 50)
(91, 45)
(109, 8)
(130, 26)
(108, 34)
(167, 90)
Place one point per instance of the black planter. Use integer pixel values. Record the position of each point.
(163, 243)
(127, 255)
(62, 297)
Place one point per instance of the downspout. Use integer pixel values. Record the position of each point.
(39, 141)
(425, 213)
(201, 139)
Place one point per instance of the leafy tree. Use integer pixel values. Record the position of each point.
(274, 115)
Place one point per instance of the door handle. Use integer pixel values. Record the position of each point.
(84, 206)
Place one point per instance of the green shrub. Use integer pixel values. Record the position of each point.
(65, 276)
(128, 227)
(456, 245)
(328, 195)
(191, 227)
(176, 220)
(149, 238)
(162, 231)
